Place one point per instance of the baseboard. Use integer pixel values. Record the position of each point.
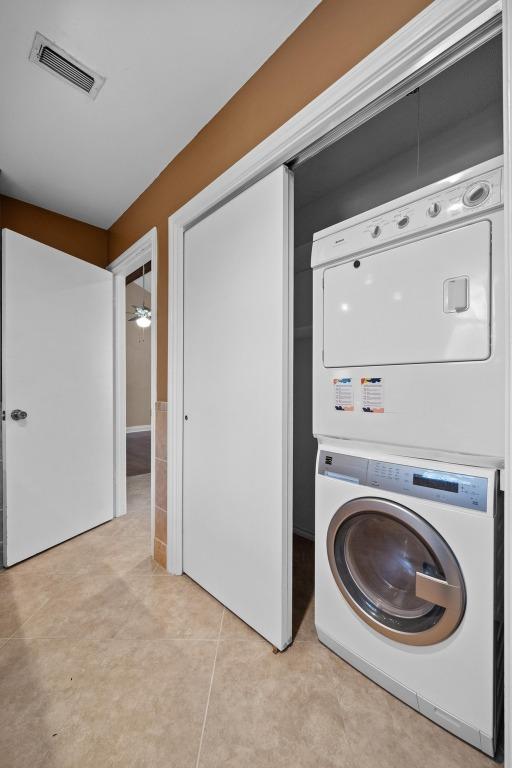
(143, 428)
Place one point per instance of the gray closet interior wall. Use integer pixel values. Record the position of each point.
(450, 123)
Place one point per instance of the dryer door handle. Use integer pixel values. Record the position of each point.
(456, 294)
(436, 591)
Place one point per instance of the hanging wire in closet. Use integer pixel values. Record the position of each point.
(418, 128)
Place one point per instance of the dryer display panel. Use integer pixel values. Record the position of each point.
(423, 302)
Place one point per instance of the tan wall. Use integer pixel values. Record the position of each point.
(82, 240)
(138, 362)
(337, 35)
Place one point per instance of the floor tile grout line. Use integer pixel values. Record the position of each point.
(338, 695)
(128, 638)
(13, 636)
(210, 689)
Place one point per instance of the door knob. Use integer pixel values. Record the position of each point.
(18, 415)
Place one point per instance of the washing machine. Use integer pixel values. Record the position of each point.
(408, 582)
(409, 323)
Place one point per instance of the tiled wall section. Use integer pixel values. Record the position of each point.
(160, 542)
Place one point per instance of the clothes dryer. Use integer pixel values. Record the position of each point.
(409, 321)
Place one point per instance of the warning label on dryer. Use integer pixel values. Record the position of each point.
(343, 394)
(372, 395)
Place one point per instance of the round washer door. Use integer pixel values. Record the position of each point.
(395, 571)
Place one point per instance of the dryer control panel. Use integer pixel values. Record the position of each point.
(438, 485)
(460, 196)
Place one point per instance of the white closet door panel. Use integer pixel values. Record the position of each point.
(57, 366)
(237, 353)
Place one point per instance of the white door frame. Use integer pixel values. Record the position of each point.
(436, 29)
(507, 142)
(144, 250)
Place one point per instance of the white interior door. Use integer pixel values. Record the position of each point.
(237, 431)
(57, 366)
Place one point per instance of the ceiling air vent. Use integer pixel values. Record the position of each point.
(50, 57)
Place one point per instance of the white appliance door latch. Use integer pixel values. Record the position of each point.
(456, 294)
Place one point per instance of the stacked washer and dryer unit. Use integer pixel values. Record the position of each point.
(408, 346)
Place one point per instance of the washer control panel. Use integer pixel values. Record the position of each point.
(432, 484)
(438, 485)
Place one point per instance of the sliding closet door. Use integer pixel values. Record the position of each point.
(237, 430)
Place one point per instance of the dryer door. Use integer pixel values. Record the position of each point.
(397, 573)
(427, 301)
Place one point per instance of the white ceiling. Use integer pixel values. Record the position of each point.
(170, 65)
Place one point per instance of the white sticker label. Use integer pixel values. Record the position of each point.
(372, 395)
(343, 394)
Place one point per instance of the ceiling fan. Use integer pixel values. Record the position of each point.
(141, 314)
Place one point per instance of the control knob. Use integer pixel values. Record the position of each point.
(434, 210)
(476, 194)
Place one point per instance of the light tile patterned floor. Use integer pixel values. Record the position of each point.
(107, 661)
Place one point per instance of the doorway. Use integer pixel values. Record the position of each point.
(135, 282)
(138, 372)
(446, 125)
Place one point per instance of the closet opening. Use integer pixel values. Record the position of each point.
(140, 423)
(135, 408)
(442, 126)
